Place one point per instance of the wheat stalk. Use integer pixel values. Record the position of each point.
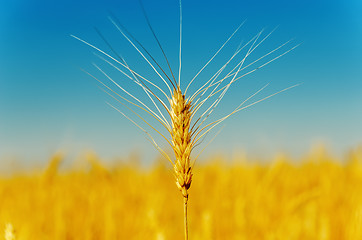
(184, 122)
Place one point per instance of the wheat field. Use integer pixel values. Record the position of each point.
(318, 197)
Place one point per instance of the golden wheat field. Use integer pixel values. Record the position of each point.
(318, 197)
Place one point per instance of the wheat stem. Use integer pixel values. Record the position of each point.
(185, 218)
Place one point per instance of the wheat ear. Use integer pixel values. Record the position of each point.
(181, 140)
(180, 112)
(181, 118)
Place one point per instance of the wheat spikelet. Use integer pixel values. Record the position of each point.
(181, 140)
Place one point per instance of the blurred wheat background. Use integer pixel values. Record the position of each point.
(318, 197)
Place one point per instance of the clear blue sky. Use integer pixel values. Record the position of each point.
(47, 103)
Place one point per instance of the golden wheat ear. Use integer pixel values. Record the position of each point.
(181, 140)
(173, 109)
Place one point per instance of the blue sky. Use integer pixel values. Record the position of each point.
(47, 103)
